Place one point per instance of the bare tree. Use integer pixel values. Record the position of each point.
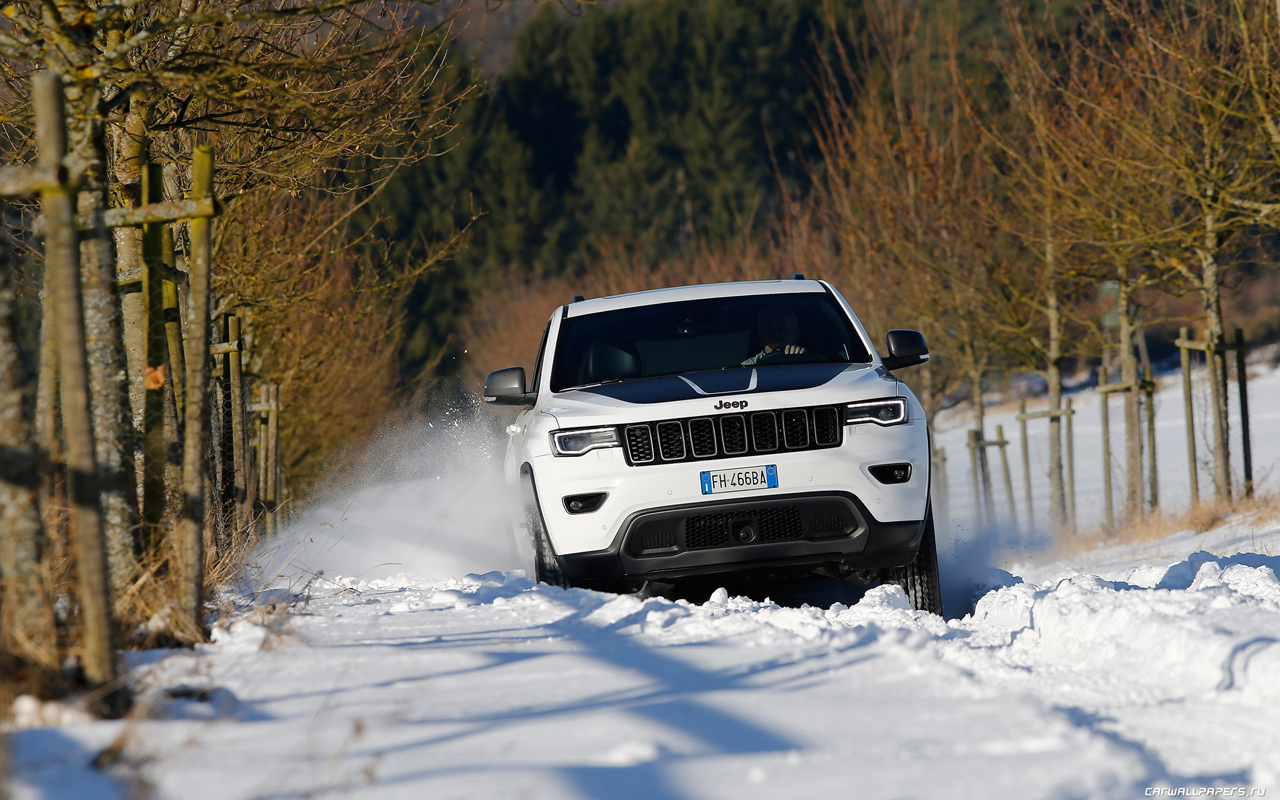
(282, 91)
(1184, 137)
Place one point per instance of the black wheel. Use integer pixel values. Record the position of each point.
(919, 579)
(546, 567)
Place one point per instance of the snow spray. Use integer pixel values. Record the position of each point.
(429, 502)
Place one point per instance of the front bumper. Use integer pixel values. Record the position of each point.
(632, 491)
(780, 534)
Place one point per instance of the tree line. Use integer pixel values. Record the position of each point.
(302, 105)
(1035, 186)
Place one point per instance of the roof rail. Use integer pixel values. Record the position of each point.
(577, 298)
(798, 276)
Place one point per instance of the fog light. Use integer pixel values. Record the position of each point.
(584, 503)
(891, 473)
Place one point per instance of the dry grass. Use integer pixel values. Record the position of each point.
(1260, 510)
(145, 614)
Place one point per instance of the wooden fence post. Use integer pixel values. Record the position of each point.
(239, 461)
(191, 525)
(1184, 353)
(941, 497)
(1221, 463)
(273, 457)
(1242, 383)
(1026, 461)
(1003, 444)
(1149, 389)
(262, 448)
(62, 265)
(1104, 399)
(975, 476)
(173, 326)
(282, 494)
(1071, 470)
(984, 467)
(154, 344)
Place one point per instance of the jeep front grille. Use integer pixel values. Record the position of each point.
(671, 441)
(639, 444)
(764, 430)
(826, 426)
(795, 429)
(702, 437)
(755, 433)
(733, 432)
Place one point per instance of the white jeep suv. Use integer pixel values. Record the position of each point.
(735, 429)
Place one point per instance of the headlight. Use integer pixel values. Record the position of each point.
(882, 412)
(575, 443)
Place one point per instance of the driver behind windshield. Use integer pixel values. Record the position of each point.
(779, 333)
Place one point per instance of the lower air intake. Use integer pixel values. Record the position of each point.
(771, 524)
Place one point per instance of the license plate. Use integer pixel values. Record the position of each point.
(742, 479)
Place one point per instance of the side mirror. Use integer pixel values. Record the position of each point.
(506, 388)
(906, 349)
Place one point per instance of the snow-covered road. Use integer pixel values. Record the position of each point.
(1098, 682)
(1120, 674)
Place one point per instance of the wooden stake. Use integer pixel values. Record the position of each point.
(984, 467)
(1071, 470)
(262, 448)
(191, 526)
(1149, 388)
(239, 461)
(154, 343)
(1192, 471)
(1008, 479)
(173, 328)
(941, 496)
(1242, 384)
(1221, 462)
(975, 475)
(1106, 461)
(62, 265)
(273, 456)
(1026, 462)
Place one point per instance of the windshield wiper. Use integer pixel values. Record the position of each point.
(597, 383)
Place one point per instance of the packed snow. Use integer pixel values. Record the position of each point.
(394, 647)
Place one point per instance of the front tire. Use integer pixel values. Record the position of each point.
(920, 579)
(546, 567)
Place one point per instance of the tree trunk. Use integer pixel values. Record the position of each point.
(1212, 303)
(191, 524)
(47, 414)
(130, 154)
(113, 431)
(979, 422)
(62, 264)
(26, 615)
(1132, 412)
(1053, 376)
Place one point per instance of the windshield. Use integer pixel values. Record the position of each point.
(695, 335)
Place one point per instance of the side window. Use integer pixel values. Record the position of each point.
(537, 365)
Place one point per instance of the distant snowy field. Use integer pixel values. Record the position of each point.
(1171, 448)
(1117, 674)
